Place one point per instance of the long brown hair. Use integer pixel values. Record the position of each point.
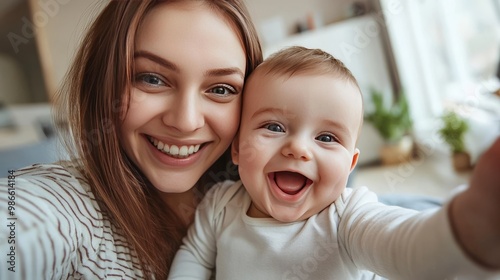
(90, 104)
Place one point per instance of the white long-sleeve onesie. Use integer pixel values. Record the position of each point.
(355, 234)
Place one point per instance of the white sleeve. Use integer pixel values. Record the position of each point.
(399, 243)
(197, 255)
(38, 233)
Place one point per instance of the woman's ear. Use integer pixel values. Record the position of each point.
(235, 149)
(355, 157)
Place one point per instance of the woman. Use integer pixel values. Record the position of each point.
(152, 102)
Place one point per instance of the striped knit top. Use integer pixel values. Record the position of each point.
(53, 228)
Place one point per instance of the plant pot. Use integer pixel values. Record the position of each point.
(461, 162)
(398, 152)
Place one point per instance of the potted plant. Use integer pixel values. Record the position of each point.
(394, 124)
(453, 132)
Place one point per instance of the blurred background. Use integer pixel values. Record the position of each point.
(426, 59)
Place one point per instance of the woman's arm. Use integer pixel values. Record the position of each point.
(475, 213)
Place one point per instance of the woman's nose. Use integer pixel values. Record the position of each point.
(297, 148)
(185, 113)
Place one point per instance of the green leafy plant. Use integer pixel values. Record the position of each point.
(393, 122)
(453, 131)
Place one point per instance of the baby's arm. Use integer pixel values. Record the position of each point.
(195, 259)
(475, 213)
(399, 243)
(435, 244)
(197, 255)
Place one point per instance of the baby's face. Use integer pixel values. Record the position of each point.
(296, 145)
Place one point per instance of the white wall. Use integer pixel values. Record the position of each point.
(290, 12)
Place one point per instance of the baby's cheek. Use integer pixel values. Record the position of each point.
(250, 149)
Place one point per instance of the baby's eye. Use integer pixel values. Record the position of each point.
(274, 127)
(326, 138)
(150, 79)
(223, 90)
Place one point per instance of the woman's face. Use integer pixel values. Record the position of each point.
(184, 106)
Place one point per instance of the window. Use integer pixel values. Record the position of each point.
(446, 51)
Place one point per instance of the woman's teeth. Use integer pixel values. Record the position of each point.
(174, 150)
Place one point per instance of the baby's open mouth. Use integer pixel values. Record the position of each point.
(289, 182)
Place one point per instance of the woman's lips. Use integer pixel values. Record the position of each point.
(179, 157)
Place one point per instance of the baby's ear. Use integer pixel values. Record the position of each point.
(235, 149)
(355, 157)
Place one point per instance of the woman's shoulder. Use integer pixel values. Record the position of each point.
(58, 190)
(62, 178)
(60, 169)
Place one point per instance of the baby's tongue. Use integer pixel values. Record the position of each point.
(289, 182)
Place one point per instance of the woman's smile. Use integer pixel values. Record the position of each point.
(177, 151)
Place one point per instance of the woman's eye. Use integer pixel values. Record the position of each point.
(326, 138)
(274, 127)
(150, 79)
(223, 90)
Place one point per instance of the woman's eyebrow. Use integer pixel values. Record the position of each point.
(154, 58)
(225, 72)
(172, 66)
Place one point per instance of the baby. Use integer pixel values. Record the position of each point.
(291, 215)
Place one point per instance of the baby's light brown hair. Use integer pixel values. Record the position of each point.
(301, 60)
(298, 60)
